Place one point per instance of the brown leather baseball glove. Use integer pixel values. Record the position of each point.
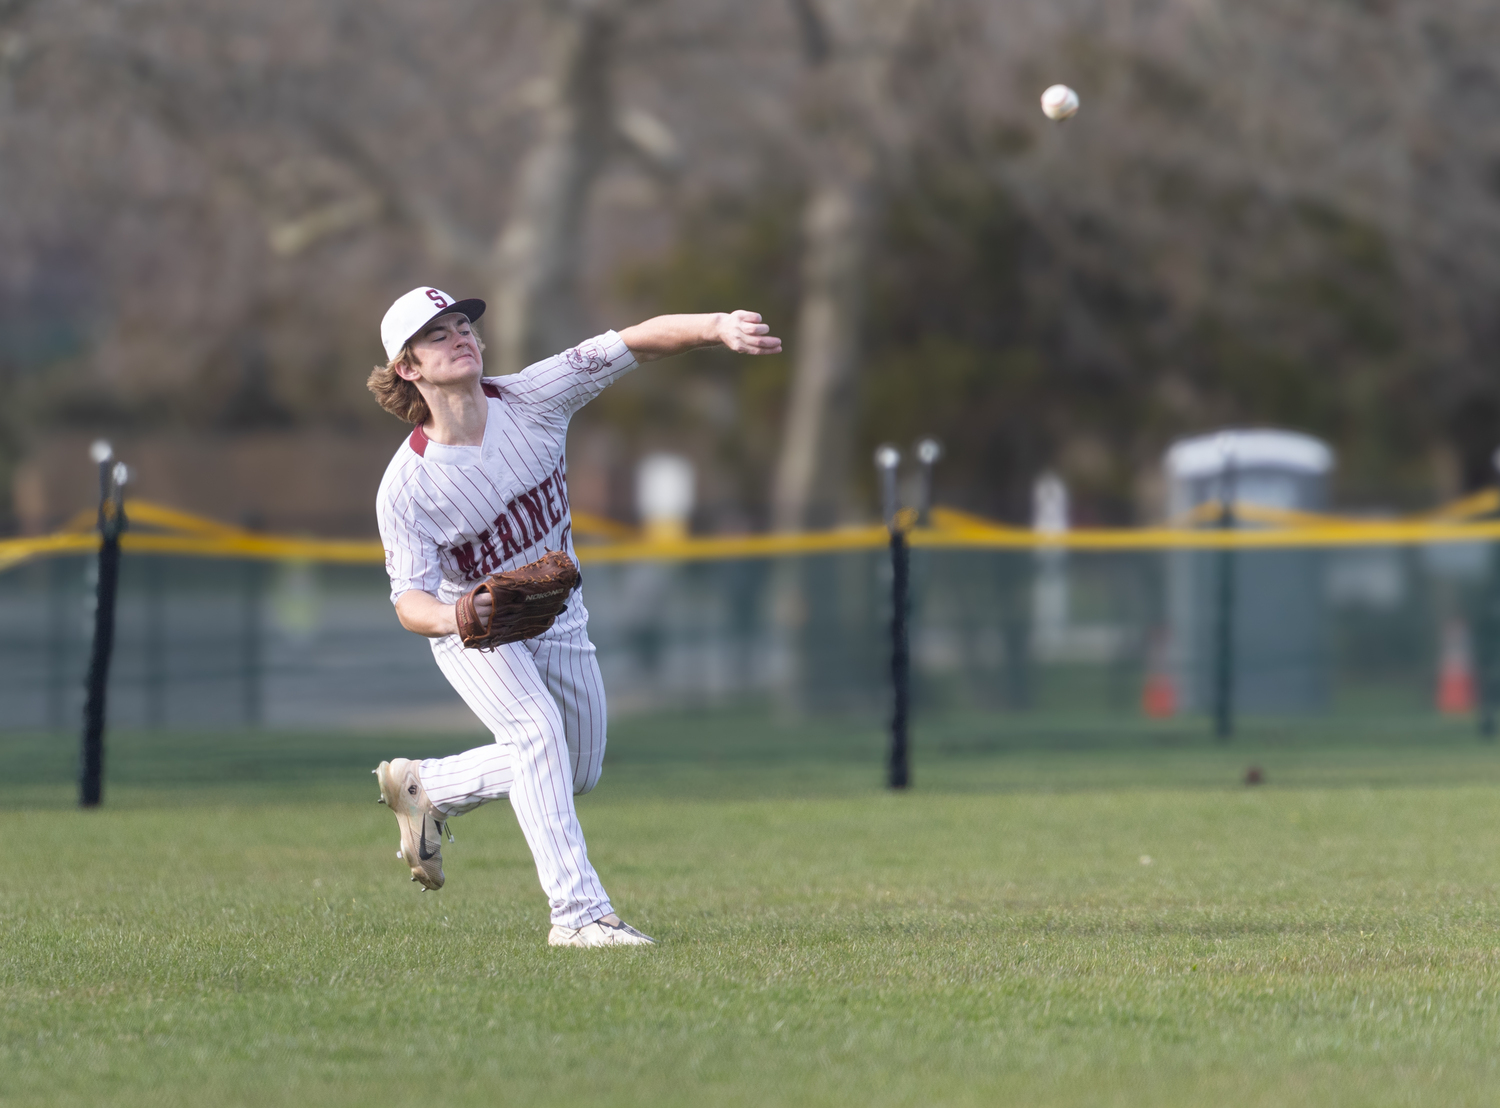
(526, 601)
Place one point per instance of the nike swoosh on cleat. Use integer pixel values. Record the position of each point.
(422, 851)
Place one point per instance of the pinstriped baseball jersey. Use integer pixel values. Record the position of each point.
(450, 515)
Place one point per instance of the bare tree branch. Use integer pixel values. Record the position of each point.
(539, 252)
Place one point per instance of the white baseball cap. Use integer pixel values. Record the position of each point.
(410, 313)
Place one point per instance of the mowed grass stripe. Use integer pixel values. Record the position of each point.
(1282, 946)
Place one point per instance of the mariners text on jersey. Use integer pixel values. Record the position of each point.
(451, 514)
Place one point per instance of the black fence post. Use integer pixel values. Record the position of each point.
(898, 769)
(1224, 655)
(929, 451)
(111, 523)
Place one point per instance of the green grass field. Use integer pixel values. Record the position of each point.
(1058, 914)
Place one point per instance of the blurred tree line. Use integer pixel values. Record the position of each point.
(1264, 214)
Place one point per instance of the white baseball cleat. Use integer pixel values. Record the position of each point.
(599, 933)
(422, 827)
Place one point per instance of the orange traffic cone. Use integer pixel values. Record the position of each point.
(1455, 686)
(1159, 693)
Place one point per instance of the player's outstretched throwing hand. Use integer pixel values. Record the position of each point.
(744, 333)
(665, 335)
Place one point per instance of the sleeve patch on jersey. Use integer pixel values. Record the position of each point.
(589, 356)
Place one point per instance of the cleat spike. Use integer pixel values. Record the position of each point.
(380, 799)
(398, 854)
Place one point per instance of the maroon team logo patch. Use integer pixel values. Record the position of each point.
(587, 356)
(437, 298)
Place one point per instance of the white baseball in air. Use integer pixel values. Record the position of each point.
(1059, 102)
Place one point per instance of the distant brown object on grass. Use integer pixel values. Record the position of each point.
(1254, 776)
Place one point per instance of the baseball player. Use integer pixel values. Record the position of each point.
(480, 486)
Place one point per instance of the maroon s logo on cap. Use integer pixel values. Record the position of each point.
(437, 298)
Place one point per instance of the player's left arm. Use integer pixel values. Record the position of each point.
(427, 615)
(665, 335)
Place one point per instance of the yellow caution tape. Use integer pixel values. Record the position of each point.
(1165, 538)
(15, 551)
(1474, 506)
(187, 535)
(144, 512)
(726, 547)
(587, 523)
(268, 547)
(1482, 503)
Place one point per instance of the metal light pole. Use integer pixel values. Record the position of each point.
(887, 459)
(112, 522)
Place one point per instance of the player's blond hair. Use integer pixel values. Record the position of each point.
(395, 393)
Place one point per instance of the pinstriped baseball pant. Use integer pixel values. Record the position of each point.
(543, 700)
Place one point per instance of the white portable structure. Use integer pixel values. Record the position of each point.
(1278, 611)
